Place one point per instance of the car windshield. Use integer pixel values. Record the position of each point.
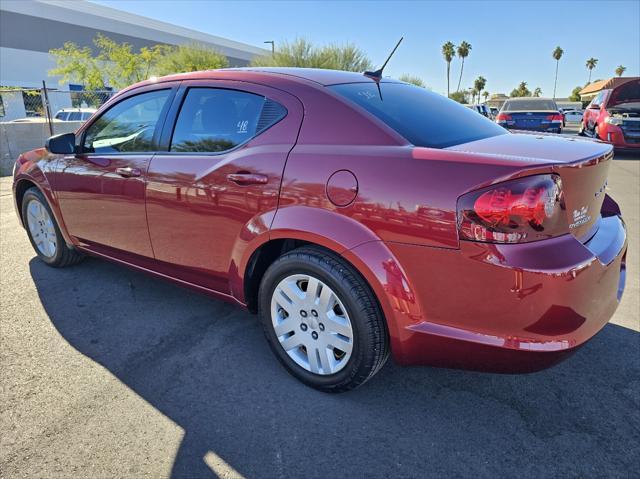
(422, 117)
(530, 105)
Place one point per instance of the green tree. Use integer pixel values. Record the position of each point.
(463, 52)
(414, 80)
(557, 55)
(302, 53)
(122, 66)
(575, 94)
(591, 64)
(485, 94)
(478, 85)
(118, 65)
(189, 58)
(620, 70)
(448, 52)
(77, 65)
(522, 90)
(537, 91)
(460, 96)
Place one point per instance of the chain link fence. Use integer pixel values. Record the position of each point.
(28, 116)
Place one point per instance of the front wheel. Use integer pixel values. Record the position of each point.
(581, 129)
(44, 232)
(322, 320)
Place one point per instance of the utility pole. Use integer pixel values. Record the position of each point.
(47, 107)
(273, 46)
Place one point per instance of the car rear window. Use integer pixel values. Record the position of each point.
(422, 117)
(530, 105)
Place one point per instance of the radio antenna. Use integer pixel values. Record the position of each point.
(377, 75)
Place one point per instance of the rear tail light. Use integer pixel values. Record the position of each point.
(517, 211)
(554, 117)
(503, 117)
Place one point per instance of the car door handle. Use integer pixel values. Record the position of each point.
(248, 178)
(128, 172)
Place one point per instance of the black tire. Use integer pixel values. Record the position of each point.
(64, 255)
(370, 341)
(581, 129)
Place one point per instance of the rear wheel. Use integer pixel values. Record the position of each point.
(44, 232)
(322, 320)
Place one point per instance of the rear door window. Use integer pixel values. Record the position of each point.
(422, 117)
(215, 120)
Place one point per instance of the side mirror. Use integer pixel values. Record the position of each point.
(64, 144)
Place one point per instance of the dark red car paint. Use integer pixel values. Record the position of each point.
(339, 178)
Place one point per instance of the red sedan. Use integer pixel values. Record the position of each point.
(359, 216)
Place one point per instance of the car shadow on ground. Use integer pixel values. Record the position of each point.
(205, 365)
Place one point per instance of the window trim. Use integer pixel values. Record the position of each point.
(80, 139)
(171, 120)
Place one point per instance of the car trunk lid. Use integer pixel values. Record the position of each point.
(582, 165)
(532, 119)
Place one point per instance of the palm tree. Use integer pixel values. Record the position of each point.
(485, 94)
(463, 52)
(472, 94)
(620, 70)
(448, 52)
(479, 84)
(591, 64)
(537, 91)
(522, 90)
(557, 55)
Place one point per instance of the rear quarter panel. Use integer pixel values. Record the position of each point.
(404, 194)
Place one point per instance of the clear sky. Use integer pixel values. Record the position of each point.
(512, 41)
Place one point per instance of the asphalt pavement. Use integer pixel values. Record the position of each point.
(106, 372)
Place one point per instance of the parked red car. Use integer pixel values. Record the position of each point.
(614, 116)
(359, 216)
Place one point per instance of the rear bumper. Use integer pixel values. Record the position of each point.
(509, 308)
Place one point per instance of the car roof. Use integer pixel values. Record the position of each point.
(318, 76)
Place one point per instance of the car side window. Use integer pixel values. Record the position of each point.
(128, 126)
(214, 120)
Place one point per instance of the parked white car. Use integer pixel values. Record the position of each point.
(573, 116)
(74, 114)
(484, 110)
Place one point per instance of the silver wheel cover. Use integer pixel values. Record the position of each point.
(311, 324)
(41, 228)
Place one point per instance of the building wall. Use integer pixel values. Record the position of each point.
(29, 29)
(13, 105)
(24, 68)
